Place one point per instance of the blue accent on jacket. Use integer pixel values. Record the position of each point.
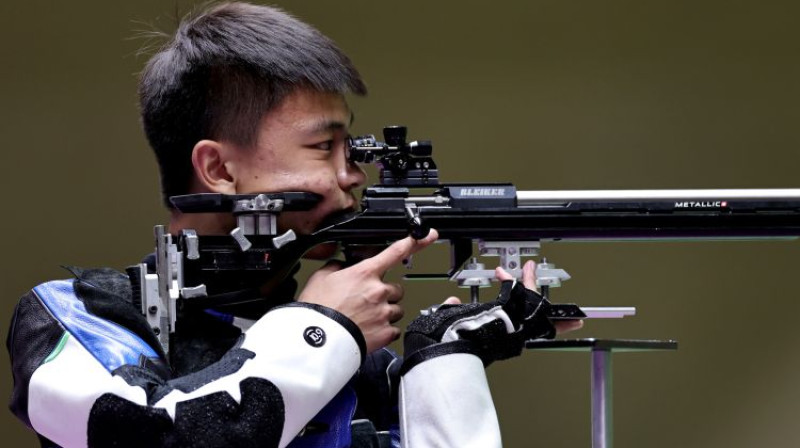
(111, 344)
(334, 420)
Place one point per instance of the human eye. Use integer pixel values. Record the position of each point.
(327, 145)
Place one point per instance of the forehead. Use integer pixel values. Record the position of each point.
(309, 112)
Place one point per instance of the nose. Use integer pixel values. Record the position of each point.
(351, 176)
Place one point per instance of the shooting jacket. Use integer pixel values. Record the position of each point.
(89, 371)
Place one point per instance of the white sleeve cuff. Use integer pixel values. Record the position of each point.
(445, 402)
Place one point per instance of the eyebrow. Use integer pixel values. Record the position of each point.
(329, 125)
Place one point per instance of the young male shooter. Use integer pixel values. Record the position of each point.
(246, 99)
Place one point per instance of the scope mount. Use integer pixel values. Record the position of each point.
(400, 163)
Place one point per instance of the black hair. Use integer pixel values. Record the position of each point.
(223, 70)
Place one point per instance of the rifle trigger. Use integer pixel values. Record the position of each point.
(416, 229)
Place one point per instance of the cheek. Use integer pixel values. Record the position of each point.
(316, 180)
(324, 185)
(274, 181)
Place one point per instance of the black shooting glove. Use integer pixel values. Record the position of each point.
(492, 331)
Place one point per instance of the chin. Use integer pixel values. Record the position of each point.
(322, 251)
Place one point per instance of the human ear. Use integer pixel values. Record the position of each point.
(210, 160)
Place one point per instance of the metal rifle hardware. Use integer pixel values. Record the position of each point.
(504, 222)
(201, 269)
(400, 163)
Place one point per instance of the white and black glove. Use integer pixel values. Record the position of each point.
(444, 395)
(492, 331)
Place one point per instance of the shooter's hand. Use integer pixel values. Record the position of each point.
(360, 293)
(492, 331)
(529, 281)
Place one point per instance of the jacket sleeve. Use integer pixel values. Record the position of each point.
(80, 380)
(445, 400)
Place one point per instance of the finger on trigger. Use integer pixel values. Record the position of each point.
(398, 251)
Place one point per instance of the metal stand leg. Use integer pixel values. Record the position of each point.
(602, 423)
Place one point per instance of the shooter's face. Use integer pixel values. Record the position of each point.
(301, 147)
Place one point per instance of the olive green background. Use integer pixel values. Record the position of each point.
(546, 94)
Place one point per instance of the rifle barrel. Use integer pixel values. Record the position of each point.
(527, 198)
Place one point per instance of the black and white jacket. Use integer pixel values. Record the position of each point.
(88, 371)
